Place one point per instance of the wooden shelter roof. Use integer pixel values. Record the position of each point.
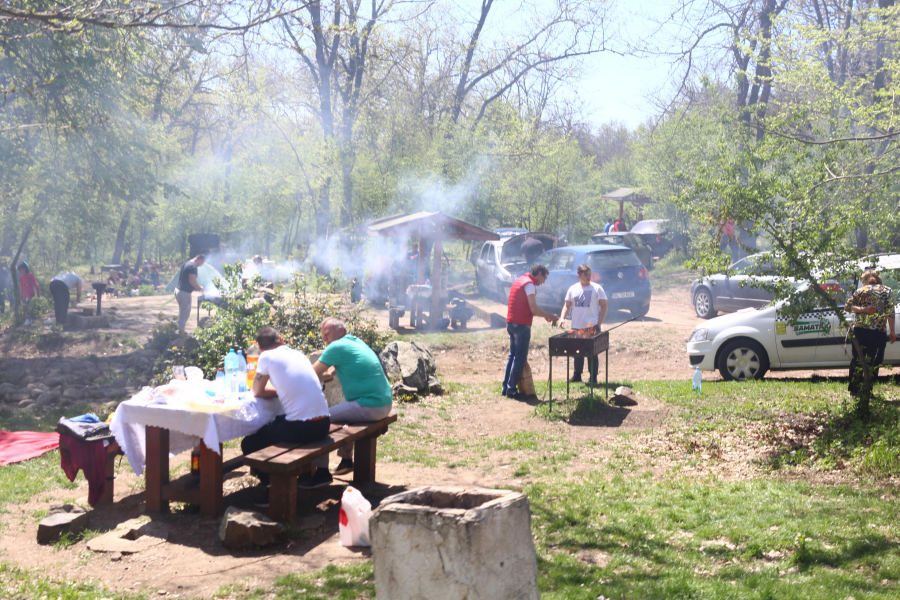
(433, 225)
(625, 194)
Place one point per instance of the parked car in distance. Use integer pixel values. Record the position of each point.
(498, 263)
(729, 293)
(752, 341)
(629, 240)
(624, 279)
(507, 232)
(653, 233)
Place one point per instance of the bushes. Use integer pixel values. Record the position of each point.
(295, 310)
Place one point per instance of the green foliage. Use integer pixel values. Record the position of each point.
(39, 307)
(162, 335)
(146, 290)
(296, 311)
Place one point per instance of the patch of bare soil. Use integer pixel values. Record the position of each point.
(473, 438)
(131, 320)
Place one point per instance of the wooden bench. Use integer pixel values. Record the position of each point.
(112, 451)
(285, 462)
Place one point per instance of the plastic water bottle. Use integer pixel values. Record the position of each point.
(242, 372)
(231, 369)
(698, 380)
(220, 381)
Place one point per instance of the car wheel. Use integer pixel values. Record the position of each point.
(639, 312)
(743, 359)
(703, 304)
(502, 292)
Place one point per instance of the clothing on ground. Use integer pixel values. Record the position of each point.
(299, 389)
(359, 370)
(70, 279)
(16, 446)
(283, 431)
(90, 457)
(585, 304)
(184, 276)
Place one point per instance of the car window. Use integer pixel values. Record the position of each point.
(562, 261)
(544, 259)
(484, 251)
(612, 240)
(489, 255)
(617, 259)
(636, 241)
(744, 266)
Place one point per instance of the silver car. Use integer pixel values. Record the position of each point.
(498, 263)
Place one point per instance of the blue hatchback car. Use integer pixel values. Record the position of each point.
(617, 269)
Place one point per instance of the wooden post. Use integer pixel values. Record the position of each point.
(282, 496)
(110, 486)
(210, 481)
(420, 276)
(156, 471)
(364, 451)
(436, 312)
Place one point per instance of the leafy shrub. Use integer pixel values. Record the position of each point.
(39, 306)
(296, 311)
(162, 336)
(146, 290)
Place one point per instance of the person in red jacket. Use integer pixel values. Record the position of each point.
(29, 287)
(521, 311)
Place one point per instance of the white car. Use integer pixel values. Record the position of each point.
(752, 341)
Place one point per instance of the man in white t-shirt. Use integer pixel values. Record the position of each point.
(587, 302)
(287, 375)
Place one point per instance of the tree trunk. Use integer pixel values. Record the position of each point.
(140, 253)
(120, 237)
(9, 230)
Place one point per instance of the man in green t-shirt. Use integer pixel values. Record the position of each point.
(366, 388)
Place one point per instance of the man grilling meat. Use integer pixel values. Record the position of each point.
(588, 304)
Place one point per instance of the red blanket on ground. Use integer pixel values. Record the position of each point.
(16, 446)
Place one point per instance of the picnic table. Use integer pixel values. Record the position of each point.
(150, 431)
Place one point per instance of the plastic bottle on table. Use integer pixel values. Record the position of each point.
(220, 381)
(242, 372)
(698, 380)
(231, 369)
(252, 359)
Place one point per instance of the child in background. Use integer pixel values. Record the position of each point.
(29, 289)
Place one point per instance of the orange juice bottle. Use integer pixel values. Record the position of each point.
(252, 359)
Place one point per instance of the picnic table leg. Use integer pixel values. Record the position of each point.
(210, 481)
(282, 496)
(157, 468)
(109, 488)
(364, 460)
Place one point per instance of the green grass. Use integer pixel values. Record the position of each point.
(21, 584)
(632, 537)
(20, 481)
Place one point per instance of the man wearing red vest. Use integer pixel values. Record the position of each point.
(521, 311)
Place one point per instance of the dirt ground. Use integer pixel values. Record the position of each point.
(191, 562)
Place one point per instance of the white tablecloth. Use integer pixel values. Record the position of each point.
(186, 427)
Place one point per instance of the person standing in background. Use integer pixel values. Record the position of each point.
(29, 286)
(521, 310)
(187, 284)
(588, 304)
(60, 289)
(608, 226)
(874, 305)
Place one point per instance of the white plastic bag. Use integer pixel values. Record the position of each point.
(354, 519)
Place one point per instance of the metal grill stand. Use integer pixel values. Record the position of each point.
(570, 344)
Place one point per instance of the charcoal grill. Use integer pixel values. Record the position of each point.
(99, 288)
(579, 344)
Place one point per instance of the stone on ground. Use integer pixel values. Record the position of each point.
(64, 519)
(409, 362)
(246, 529)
